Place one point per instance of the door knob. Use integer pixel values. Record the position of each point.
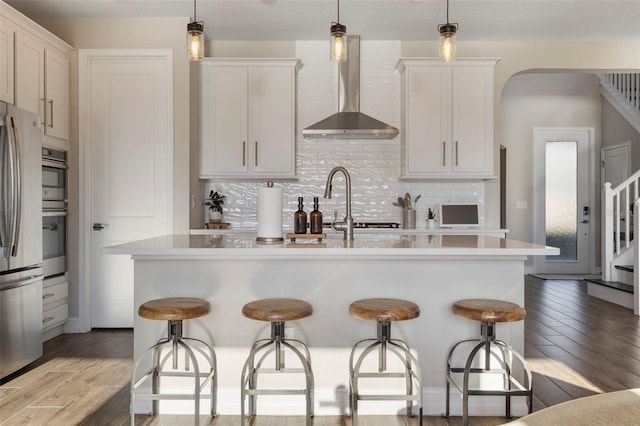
(100, 226)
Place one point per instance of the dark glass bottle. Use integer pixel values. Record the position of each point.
(315, 218)
(300, 219)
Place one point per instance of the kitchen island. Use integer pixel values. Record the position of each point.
(433, 271)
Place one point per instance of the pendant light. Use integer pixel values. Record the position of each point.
(195, 38)
(338, 40)
(447, 39)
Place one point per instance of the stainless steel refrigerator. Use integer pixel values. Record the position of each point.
(20, 238)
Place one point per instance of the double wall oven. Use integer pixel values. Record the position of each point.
(54, 211)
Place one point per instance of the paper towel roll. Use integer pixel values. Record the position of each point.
(270, 213)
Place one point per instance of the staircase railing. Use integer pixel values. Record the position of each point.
(626, 86)
(617, 221)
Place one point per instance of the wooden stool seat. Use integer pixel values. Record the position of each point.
(489, 310)
(384, 309)
(174, 308)
(277, 310)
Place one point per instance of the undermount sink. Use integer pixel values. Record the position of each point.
(370, 225)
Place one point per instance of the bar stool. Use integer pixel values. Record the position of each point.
(385, 311)
(276, 311)
(174, 310)
(489, 312)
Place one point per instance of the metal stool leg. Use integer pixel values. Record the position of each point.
(201, 379)
(261, 350)
(384, 344)
(504, 359)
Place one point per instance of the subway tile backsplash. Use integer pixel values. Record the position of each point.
(374, 165)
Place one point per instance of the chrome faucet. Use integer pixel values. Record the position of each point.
(347, 224)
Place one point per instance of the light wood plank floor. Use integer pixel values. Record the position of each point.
(575, 344)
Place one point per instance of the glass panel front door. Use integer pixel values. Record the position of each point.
(561, 196)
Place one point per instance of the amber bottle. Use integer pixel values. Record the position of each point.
(315, 218)
(300, 219)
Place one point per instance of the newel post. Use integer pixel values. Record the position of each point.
(636, 257)
(607, 231)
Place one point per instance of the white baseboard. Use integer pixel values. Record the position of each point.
(333, 402)
(610, 295)
(74, 326)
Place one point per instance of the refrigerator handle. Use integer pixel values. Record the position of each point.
(18, 188)
(4, 189)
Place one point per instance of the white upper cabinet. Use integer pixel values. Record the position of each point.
(57, 94)
(39, 67)
(247, 118)
(447, 113)
(30, 72)
(7, 37)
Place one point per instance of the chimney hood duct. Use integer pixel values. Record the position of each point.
(350, 123)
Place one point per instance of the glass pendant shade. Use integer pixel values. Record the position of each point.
(448, 41)
(338, 43)
(195, 41)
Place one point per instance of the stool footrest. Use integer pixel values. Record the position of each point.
(379, 375)
(377, 397)
(519, 390)
(276, 392)
(284, 370)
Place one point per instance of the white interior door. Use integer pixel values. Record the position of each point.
(129, 137)
(562, 192)
(616, 164)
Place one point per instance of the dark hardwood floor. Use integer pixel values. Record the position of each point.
(576, 346)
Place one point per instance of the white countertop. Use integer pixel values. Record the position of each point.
(365, 246)
(364, 231)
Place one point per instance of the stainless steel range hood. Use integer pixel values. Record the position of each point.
(349, 122)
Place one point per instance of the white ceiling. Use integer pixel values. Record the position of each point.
(281, 20)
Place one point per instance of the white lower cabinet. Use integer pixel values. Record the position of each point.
(55, 305)
(247, 118)
(447, 113)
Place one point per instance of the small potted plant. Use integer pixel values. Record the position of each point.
(431, 218)
(215, 201)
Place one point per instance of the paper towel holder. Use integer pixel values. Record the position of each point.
(269, 240)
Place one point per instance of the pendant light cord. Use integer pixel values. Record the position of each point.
(447, 11)
(194, 10)
(339, 11)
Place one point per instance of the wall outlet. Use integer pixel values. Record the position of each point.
(288, 333)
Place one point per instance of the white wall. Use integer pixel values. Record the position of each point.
(169, 33)
(617, 130)
(545, 100)
(374, 165)
(123, 33)
(540, 100)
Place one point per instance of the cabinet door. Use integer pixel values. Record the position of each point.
(272, 120)
(30, 73)
(223, 121)
(427, 121)
(7, 34)
(57, 94)
(473, 120)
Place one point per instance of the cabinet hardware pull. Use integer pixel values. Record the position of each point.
(48, 295)
(456, 153)
(256, 157)
(50, 227)
(51, 113)
(44, 111)
(244, 153)
(47, 319)
(444, 150)
(100, 226)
